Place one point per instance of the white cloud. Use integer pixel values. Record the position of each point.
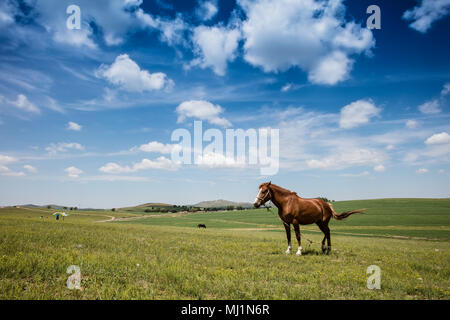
(23, 103)
(7, 159)
(30, 168)
(54, 148)
(411, 124)
(155, 146)
(438, 152)
(445, 89)
(422, 170)
(357, 113)
(114, 20)
(77, 38)
(426, 13)
(345, 158)
(379, 168)
(430, 107)
(73, 172)
(127, 74)
(73, 126)
(207, 10)
(311, 35)
(286, 87)
(354, 175)
(215, 47)
(438, 138)
(411, 157)
(202, 110)
(4, 170)
(131, 3)
(290, 86)
(218, 160)
(114, 178)
(310, 140)
(390, 147)
(161, 163)
(114, 168)
(146, 19)
(172, 31)
(53, 105)
(7, 12)
(331, 69)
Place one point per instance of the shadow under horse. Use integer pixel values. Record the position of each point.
(299, 211)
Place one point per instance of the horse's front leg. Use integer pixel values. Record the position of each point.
(299, 240)
(287, 227)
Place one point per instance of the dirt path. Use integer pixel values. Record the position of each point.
(171, 215)
(111, 218)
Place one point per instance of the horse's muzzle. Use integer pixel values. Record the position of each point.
(257, 205)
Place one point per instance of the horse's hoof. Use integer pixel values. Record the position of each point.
(298, 253)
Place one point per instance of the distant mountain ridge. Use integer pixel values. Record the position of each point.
(52, 206)
(221, 203)
(154, 204)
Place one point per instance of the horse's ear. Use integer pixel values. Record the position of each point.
(269, 183)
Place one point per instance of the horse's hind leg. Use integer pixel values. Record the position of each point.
(322, 228)
(327, 234)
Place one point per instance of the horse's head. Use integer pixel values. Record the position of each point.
(264, 194)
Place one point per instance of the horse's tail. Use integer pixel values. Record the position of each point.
(345, 214)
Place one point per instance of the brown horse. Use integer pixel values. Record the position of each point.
(295, 210)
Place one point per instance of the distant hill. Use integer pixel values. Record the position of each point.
(154, 204)
(222, 204)
(52, 206)
(30, 206)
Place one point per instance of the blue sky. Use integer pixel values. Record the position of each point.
(86, 115)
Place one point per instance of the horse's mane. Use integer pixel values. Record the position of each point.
(281, 190)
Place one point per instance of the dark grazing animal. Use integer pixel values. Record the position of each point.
(295, 210)
(201, 225)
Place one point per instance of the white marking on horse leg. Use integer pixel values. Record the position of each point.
(323, 247)
(299, 251)
(288, 251)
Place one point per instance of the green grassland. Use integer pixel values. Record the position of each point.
(418, 218)
(239, 256)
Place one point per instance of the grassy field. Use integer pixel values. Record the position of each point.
(239, 256)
